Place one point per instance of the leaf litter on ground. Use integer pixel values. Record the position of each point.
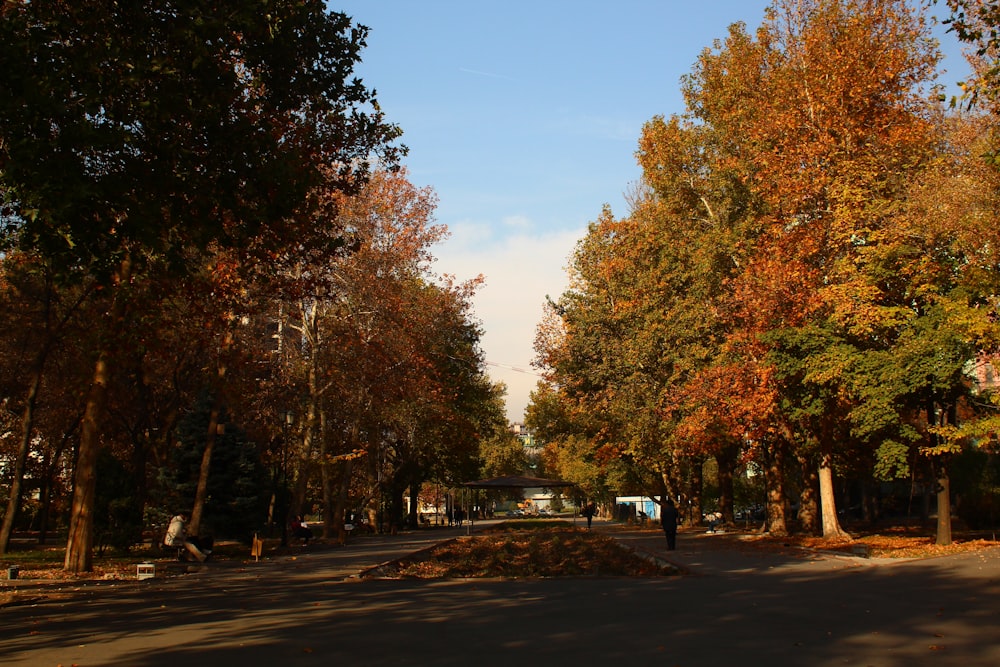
(525, 551)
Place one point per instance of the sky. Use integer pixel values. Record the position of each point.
(524, 118)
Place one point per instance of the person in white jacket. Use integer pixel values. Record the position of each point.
(177, 537)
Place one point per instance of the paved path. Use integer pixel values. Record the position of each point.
(735, 607)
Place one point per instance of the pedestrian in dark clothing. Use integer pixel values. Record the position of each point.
(668, 517)
(589, 511)
(301, 529)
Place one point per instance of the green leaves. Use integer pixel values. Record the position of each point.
(813, 256)
(176, 125)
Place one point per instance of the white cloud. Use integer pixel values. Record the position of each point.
(520, 270)
(518, 222)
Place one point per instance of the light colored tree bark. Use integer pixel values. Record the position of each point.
(828, 501)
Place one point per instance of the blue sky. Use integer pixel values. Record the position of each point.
(524, 118)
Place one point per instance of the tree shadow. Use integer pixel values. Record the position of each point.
(308, 612)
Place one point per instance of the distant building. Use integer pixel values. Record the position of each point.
(982, 371)
(526, 437)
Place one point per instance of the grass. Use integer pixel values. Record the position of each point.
(46, 562)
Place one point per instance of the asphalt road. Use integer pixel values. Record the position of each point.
(733, 607)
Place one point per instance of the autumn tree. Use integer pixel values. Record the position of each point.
(130, 133)
(834, 111)
(379, 360)
(39, 317)
(778, 288)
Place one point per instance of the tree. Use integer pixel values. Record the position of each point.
(976, 23)
(838, 112)
(133, 133)
(781, 284)
(28, 290)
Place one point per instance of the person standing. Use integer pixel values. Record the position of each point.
(668, 517)
(589, 511)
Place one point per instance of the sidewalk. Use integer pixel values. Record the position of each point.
(703, 553)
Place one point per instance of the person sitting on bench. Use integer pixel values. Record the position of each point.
(177, 537)
(301, 529)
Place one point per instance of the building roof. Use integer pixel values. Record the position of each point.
(517, 482)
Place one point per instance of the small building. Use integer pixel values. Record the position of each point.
(637, 508)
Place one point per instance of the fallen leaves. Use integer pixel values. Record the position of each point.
(532, 553)
(878, 545)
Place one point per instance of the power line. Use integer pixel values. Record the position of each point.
(514, 368)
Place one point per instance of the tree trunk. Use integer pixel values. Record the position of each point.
(201, 492)
(414, 514)
(80, 542)
(50, 465)
(142, 449)
(774, 478)
(869, 500)
(340, 510)
(696, 485)
(809, 497)
(943, 505)
(329, 504)
(21, 462)
(311, 422)
(828, 502)
(326, 476)
(726, 460)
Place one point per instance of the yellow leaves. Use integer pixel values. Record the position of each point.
(856, 307)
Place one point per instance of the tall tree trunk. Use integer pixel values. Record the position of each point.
(338, 517)
(340, 509)
(21, 462)
(204, 470)
(28, 417)
(869, 504)
(80, 540)
(329, 504)
(809, 496)
(211, 434)
(774, 477)
(50, 465)
(310, 330)
(142, 443)
(325, 475)
(413, 515)
(940, 466)
(828, 501)
(666, 483)
(726, 460)
(696, 485)
(943, 504)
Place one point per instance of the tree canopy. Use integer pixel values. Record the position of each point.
(202, 216)
(783, 286)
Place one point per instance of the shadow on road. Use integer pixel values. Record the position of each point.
(776, 610)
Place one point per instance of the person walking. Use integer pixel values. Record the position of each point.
(668, 517)
(589, 511)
